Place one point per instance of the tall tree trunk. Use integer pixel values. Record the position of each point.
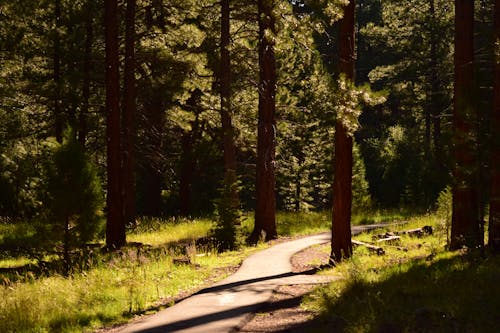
(57, 73)
(186, 174)
(342, 183)
(87, 60)
(151, 179)
(435, 89)
(115, 226)
(265, 215)
(465, 226)
(129, 111)
(494, 221)
(225, 90)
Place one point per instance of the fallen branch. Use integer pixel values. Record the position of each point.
(377, 249)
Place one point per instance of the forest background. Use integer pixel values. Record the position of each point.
(55, 111)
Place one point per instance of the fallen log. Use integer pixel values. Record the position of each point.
(390, 240)
(377, 249)
(418, 232)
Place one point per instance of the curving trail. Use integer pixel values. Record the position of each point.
(230, 303)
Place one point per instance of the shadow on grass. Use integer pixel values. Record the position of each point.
(458, 294)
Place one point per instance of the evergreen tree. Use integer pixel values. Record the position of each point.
(342, 184)
(494, 220)
(74, 200)
(265, 219)
(115, 226)
(465, 224)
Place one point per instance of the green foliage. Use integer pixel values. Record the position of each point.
(74, 194)
(444, 207)
(228, 215)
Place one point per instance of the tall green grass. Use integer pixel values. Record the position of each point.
(422, 289)
(117, 285)
(113, 287)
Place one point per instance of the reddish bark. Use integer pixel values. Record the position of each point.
(494, 222)
(115, 226)
(265, 210)
(225, 90)
(342, 183)
(465, 228)
(129, 111)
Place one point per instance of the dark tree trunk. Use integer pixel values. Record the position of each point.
(152, 156)
(225, 90)
(87, 60)
(494, 221)
(435, 104)
(465, 226)
(115, 226)
(342, 182)
(186, 174)
(67, 263)
(129, 111)
(57, 73)
(265, 215)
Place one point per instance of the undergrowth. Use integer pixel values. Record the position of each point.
(417, 286)
(108, 288)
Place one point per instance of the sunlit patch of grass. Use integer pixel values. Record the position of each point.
(16, 262)
(118, 285)
(163, 231)
(376, 216)
(302, 223)
(417, 286)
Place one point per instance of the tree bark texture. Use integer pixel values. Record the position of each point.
(465, 226)
(265, 214)
(87, 67)
(115, 225)
(128, 119)
(151, 178)
(342, 182)
(225, 90)
(57, 74)
(494, 220)
(435, 104)
(186, 174)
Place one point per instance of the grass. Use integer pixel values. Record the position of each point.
(111, 288)
(425, 289)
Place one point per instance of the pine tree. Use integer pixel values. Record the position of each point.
(342, 184)
(265, 219)
(465, 225)
(494, 220)
(115, 226)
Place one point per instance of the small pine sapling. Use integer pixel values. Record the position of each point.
(75, 201)
(226, 231)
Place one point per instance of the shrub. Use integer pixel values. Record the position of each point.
(226, 230)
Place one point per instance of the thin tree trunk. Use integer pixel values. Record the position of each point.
(342, 183)
(66, 247)
(225, 90)
(115, 227)
(57, 73)
(129, 111)
(82, 119)
(494, 221)
(465, 226)
(152, 156)
(435, 89)
(265, 210)
(186, 174)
